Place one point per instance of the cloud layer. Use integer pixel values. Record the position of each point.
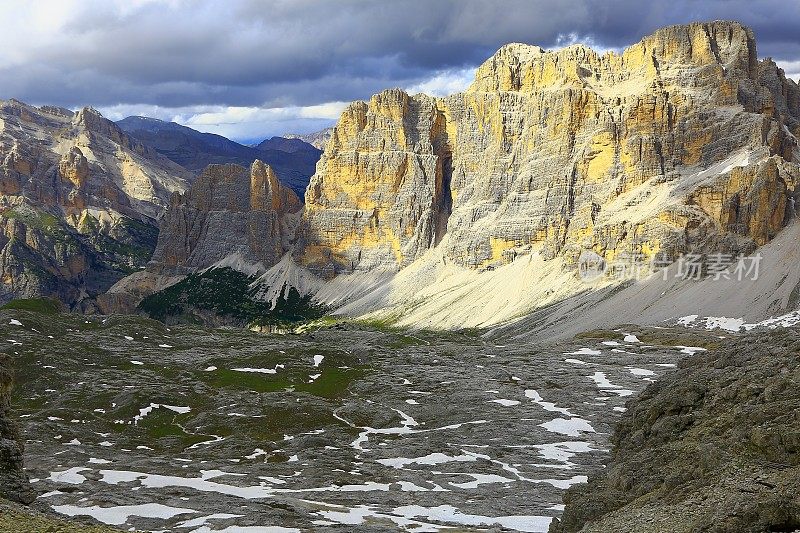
(288, 63)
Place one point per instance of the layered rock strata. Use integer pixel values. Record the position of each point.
(475, 209)
(713, 446)
(230, 212)
(78, 202)
(683, 140)
(231, 216)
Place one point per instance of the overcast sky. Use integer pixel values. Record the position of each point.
(251, 69)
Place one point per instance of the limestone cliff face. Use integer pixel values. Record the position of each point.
(230, 213)
(78, 202)
(472, 209)
(683, 141)
(379, 186)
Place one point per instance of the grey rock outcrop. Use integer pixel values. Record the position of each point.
(14, 484)
(713, 446)
(230, 212)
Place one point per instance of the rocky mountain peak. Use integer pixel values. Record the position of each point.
(727, 43)
(249, 212)
(519, 67)
(57, 111)
(317, 139)
(94, 123)
(266, 191)
(683, 141)
(234, 188)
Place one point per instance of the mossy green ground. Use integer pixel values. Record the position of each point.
(45, 306)
(17, 519)
(311, 412)
(134, 362)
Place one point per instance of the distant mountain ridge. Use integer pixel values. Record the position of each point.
(293, 160)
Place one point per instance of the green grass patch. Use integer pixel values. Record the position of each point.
(333, 382)
(668, 337)
(45, 306)
(379, 324)
(253, 381)
(34, 218)
(600, 334)
(403, 341)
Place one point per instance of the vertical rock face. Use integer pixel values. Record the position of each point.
(683, 141)
(229, 214)
(78, 202)
(375, 197)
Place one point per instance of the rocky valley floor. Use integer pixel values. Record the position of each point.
(346, 428)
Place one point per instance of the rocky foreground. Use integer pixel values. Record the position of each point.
(713, 446)
(347, 428)
(356, 428)
(18, 519)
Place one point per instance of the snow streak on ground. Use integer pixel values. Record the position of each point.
(738, 324)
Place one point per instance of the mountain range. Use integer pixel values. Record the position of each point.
(498, 299)
(472, 210)
(82, 197)
(475, 210)
(80, 202)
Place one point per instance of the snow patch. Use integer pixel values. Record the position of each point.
(571, 427)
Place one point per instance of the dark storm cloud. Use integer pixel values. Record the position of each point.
(304, 52)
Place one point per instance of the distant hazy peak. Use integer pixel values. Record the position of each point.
(287, 144)
(318, 139)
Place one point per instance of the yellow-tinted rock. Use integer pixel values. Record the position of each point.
(683, 140)
(74, 168)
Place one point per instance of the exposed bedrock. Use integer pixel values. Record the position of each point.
(713, 446)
